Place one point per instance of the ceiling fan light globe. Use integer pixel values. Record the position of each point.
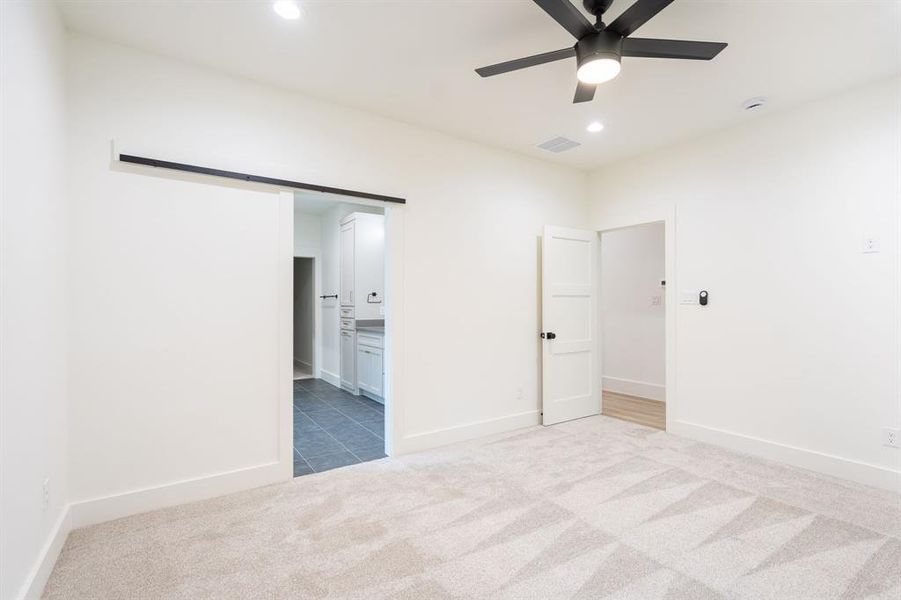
(598, 70)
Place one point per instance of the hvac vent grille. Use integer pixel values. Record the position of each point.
(559, 144)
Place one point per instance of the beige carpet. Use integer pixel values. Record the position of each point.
(595, 508)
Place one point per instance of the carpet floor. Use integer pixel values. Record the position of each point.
(594, 508)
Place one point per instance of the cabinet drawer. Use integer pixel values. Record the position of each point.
(347, 313)
(366, 339)
(347, 323)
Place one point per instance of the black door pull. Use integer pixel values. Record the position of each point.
(550, 335)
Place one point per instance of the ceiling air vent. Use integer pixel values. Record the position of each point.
(559, 144)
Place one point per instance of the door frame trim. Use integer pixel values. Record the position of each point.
(666, 215)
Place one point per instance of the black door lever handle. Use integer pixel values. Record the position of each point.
(550, 335)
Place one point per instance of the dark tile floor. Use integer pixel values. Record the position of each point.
(334, 428)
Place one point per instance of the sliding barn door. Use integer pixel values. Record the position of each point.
(570, 361)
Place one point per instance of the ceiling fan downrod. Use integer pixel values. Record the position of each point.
(597, 8)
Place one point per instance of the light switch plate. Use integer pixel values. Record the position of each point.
(689, 297)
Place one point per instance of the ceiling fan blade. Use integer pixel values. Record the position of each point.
(637, 15)
(568, 16)
(529, 61)
(584, 92)
(650, 48)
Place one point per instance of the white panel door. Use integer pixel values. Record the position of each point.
(570, 361)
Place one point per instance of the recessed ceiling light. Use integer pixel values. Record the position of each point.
(286, 9)
(595, 127)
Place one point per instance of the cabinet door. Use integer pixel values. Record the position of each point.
(363, 370)
(369, 265)
(376, 372)
(348, 351)
(346, 265)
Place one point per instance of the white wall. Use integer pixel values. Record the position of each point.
(164, 398)
(797, 354)
(33, 403)
(633, 311)
(307, 228)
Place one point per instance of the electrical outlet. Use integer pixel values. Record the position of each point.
(891, 437)
(519, 394)
(45, 494)
(870, 244)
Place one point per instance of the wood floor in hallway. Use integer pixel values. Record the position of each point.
(643, 411)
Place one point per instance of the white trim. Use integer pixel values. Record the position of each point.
(107, 508)
(469, 431)
(631, 387)
(799, 457)
(395, 329)
(285, 350)
(371, 396)
(330, 377)
(43, 566)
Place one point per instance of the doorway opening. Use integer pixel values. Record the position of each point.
(339, 410)
(632, 304)
(304, 321)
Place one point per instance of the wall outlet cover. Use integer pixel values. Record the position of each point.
(870, 244)
(689, 297)
(891, 437)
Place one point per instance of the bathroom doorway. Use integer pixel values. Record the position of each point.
(339, 410)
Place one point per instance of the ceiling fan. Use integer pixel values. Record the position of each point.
(600, 47)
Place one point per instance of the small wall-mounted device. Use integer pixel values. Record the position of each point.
(373, 298)
(702, 297)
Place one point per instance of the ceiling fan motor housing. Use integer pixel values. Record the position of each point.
(604, 44)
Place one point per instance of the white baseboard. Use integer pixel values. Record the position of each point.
(98, 510)
(631, 387)
(469, 431)
(373, 397)
(330, 377)
(836, 466)
(43, 566)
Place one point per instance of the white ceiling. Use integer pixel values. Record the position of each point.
(413, 60)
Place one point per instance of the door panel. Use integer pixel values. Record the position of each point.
(570, 361)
